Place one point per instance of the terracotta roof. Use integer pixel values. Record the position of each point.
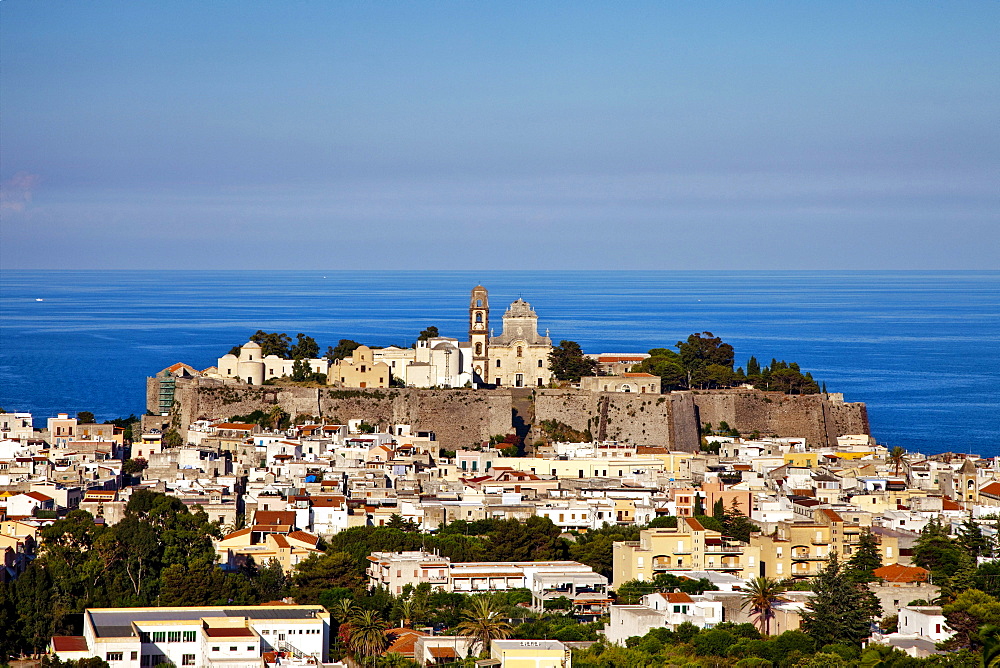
(678, 597)
(38, 496)
(69, 643)
(621, 358)
(240, 532)
(900, 573)
(442, 652)
(228, 632)
(236, 426)
(304, 537)
(274, 517)
(831, 515)
(948, 504)
(638, 375)
(327, 501)
(694, 524)
(992, 489)
(279, 540)
(404, 641)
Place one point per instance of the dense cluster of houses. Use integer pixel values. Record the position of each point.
(277, 493)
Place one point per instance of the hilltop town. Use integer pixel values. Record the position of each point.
(462, 498)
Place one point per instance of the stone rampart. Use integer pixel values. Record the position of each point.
(811, 416)
(461, 417)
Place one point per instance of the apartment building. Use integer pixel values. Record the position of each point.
(690, 546)
(546, 580)
(201, 637)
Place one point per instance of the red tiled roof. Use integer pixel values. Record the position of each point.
(442, 652)
(694, 524)
(404, 641)
(69, 643)
(638, 375)
(900, 573)
(992, 489)
(304, 537)
(678, 597)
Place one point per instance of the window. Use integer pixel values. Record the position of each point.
(143, 636)
(189, 636)
(159, 636)
(133, 656)
(250, 648)
(265, 632)
(173, 636)
(232, 648)
(215, 649)
(498, 364)
(520, 351)
(114, 656)
(479, 317)
(479, 349)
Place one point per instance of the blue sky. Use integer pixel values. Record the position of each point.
(663, 135)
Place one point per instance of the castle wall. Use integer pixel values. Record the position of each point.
(811, 416)
(462, 417)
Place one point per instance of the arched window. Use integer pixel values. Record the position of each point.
(498, 364)
(520, 351)
(479, 316)
(540, 364)
(479, 303)
(479, 349)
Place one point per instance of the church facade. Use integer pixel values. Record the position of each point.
(519, 356)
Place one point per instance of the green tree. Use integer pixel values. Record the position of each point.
(666, 364)
(897, 456)
(737, 525)
(301, 371)
(343, 350)
(320, 572)
(305, 348)
(866, 558)
(840, 610)
(936, 551)
(367, 634)
(85, 417)
(703, 350)
(972, 540)
(967, 614)
(271, 343)
(483, 621)
(761, 596)
(567, 362)
(134, 466)
(429, 333)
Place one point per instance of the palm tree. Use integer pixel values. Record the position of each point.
(343, 610)
(367, 634)
(483, 622)
(760, 596)
(897, 456)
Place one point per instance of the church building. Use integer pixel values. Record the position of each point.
(519, 356)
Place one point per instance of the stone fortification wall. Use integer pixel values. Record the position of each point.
(666, 420)
(461, 418)
(811, 416)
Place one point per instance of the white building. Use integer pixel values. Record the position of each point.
(202, 637)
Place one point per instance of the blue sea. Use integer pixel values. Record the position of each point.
(921, 349)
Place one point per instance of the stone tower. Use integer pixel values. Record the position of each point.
(479, 333)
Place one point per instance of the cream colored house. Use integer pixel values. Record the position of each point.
(531, 654)
(360, 371)
(638, 383)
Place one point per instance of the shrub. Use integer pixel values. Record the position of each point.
(713, 643)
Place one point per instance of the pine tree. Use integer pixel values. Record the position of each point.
(840, 610)
(971, 538)
(866, 558)
(719, 510)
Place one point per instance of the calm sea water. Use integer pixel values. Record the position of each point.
(922, 349)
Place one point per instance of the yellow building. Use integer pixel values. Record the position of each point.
(802, 460)
(801, 549)
(359, 371)
(689, 547)
(530, 654)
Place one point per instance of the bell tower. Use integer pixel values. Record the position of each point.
(479, 333)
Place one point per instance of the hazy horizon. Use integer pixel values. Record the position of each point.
(551, 135)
